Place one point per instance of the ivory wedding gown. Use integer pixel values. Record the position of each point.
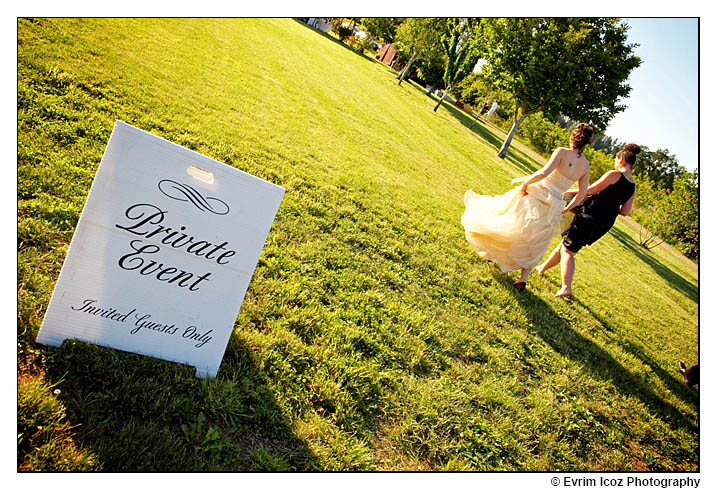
(514, 230)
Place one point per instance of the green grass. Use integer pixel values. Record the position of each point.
(371, 336)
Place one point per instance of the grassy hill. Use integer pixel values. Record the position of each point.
(371, 336)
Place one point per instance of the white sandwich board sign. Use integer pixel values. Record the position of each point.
(163, 253)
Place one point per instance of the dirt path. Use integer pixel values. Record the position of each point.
(663, 245)
(626, 220)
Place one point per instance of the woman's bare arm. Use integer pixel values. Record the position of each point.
(610, 177)
(627, 206)
(582, 190)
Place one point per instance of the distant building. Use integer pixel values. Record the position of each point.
(319, 23)
(387, 54)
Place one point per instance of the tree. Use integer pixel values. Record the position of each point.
(431, 70)
(382, 29)
(475, 90)
(460, 43)
(470, 90)
(659, 166)
(683, 213)
(417, 38)
(649, 238)
(670, 215)
(560, 66)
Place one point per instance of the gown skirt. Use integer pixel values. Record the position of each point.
(511, 229)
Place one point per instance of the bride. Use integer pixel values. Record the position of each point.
(514, 229)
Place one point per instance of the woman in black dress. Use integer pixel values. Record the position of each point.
(610, 196)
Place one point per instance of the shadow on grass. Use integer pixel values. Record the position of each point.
(678, 282)
(515, 156)
(558, 333)
(141, 414)
(335, 40)
(670, 381)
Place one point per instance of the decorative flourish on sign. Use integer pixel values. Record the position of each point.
(184, 192)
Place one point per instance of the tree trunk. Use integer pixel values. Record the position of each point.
(507, 143)
(650, 240)
(476, 118)
(406, 69)
(443, 96)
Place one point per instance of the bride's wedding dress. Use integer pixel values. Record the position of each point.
(514, 230)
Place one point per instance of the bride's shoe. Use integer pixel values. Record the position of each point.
(520, 285)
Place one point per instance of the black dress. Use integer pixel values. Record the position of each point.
(597, 214)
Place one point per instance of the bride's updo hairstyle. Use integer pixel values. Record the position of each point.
(629, 152)
(581, 136)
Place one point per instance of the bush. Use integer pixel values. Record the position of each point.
(344, 32)
(682, 208)
(601, 162)
(472, 90)
(360, 44)
(543, 135)
(671, 215)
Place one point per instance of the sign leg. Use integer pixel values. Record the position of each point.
(203, 373)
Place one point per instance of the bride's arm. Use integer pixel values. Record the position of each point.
(542, 172)
(582, 189)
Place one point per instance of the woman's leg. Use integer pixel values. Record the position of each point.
(568, 266)
(521, 283)
(552, 260)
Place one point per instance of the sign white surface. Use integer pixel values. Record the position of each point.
(163, 253)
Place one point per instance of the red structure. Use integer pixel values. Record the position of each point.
(387, 54)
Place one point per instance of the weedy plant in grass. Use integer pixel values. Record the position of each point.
(44, 435)
(371, 336)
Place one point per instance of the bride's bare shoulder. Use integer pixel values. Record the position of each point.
(561, 152)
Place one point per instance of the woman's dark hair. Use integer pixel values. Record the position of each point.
(580, 136)
(629, 152)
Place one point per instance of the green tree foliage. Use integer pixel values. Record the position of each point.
(606, 143)
(344, 32)
(671, 215)
(339, 27)
(382, 29)
(601, 162)
(472, 90)
(462, 49)
(680, 206)
(570, 66)
(544, 135)
(475, 89)
(418, 38)
(659, 166)
(431, 70)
